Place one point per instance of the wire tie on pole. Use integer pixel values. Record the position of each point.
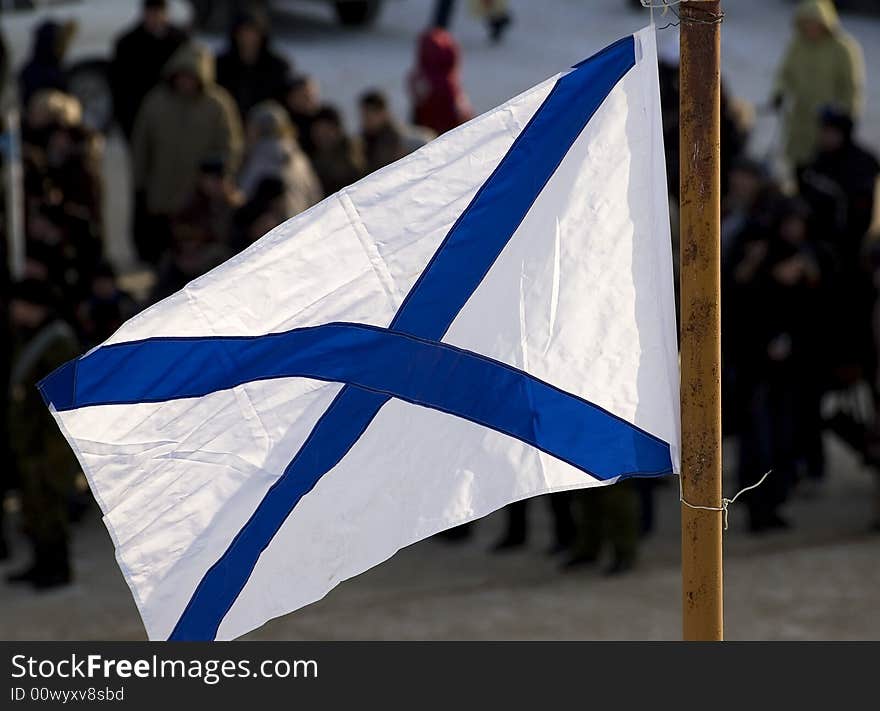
(725, 502)
(713, 18)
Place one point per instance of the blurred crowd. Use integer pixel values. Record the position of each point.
(224, 148)
(800, 272)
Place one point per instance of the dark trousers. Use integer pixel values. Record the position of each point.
(768, 441)
(151, 232)
(443, 13)
(607, 514)
(563, 522)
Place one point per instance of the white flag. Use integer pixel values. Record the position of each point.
(488, 319)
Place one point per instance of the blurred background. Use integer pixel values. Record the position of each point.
(146, 141)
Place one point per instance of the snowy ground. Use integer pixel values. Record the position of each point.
(819, 581)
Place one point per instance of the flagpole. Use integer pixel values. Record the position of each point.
(700, 86)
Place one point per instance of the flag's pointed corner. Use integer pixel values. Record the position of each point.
(58, 388)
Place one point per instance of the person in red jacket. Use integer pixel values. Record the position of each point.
(439, 102)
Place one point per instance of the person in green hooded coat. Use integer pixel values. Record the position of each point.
(184, 121)
(823, 66)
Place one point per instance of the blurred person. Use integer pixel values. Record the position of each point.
(62, 159)
(73, 174)
(4, 64)
(385, 139)
(192, 254)
(45, 67)
(7, 472)
(442, 15)
(843, 178)
(439, 103)
(44, 254)
(42, 342)
(823, 65)
(863, 433)
(779, 279)
(138, 58)
(302, 100)
(748, 204)
(606, 515)
(338, 158)
(748, 212)
(214, 202)
(249, 69)
(841, 185)
(64, 245)
(48, 109)
(494, 13)
(265, 210)
(854, 170)
(668, 71)
(875, 524)
(273, 152)
(105, 308)
(737, 119)
(645, 491)
(183, 121)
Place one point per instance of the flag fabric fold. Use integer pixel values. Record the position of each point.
(488, 319)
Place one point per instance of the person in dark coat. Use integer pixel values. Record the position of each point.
(249, 69)
(840, 185)
(67, 248)
(192, 254)
(214, 203)
(105, 308)
(780, 280)
(385, 139)
(264, 210)
(4, 64)
(748, 214)
(301, 97)
(138, 59)
(844, 170)
(338, 158)
(439, 103)
(42, 342)
(495, 13)
(45, 67)
(73, 174)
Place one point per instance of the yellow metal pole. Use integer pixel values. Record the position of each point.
(700, 85)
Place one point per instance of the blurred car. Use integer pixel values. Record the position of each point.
(866, 7)
(215, 14)
(98, 22)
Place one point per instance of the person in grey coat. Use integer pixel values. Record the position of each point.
(273, 152)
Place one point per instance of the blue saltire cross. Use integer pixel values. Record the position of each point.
(406, 361)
